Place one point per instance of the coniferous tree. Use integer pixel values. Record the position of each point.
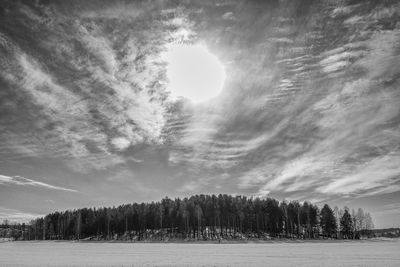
(328, 221)
(198, 217)
(346, 225)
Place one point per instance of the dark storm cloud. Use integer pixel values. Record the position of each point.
(309, 108)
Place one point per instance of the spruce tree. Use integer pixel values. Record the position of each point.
(328, 221)
(346, 225)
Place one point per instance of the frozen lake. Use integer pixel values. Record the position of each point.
(357, 253)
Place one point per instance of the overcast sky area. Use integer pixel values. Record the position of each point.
(309, 110)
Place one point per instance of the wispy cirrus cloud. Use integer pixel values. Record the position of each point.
(339, 116)
(370, 177)
(19, 180)
(107, 97)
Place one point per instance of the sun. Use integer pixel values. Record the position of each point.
(193, 72)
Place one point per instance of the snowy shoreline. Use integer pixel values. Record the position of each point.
(253, 241)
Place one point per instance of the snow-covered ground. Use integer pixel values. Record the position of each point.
(354, 253)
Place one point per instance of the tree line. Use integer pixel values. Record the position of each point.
(200, 217)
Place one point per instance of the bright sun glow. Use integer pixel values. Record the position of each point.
(193, 72)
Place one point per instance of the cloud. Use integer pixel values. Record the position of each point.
(120, 143)
(117, 11)
(228, 16)
(109, 87)
(392, 208)
(343, 10)
(339, 61)
(349, 130)
(317, 118)
(13, 215)
(99, 46)
(191, 186)
(378, 173)
(19, 180)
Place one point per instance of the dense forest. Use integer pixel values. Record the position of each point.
(200, 217)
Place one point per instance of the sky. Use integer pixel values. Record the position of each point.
(309, 107)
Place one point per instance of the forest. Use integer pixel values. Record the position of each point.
(200, 217)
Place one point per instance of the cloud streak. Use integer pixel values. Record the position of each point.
(19, 180)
